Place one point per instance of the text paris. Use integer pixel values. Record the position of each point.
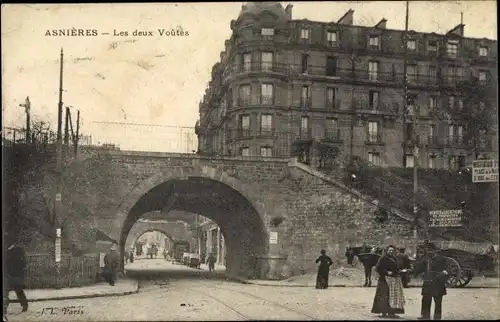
(173, 32)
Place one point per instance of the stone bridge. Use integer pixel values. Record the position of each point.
(275, 214)
(174, 230)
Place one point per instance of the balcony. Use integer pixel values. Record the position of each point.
(334, 104)
(266, 100)
(244, 101)
(305, 103)
(432, 141)
(243, 133)
(374, 138)
(304, 134)
(454, 80)
(332, 135)
(266, 132)
(380, 108)
(455, 141)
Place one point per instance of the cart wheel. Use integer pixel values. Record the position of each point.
(464, 279)
(454, 272)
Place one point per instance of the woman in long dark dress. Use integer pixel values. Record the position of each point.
(323, 270)
(389, 297)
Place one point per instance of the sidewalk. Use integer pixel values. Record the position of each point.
(310, 281)
(122, 287)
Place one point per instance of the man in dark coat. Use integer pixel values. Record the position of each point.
(434, 287)
(111, 265)
(14, 275)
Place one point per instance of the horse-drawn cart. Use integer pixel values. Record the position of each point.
(465, 260)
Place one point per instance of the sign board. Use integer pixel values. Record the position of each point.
(58, 250)
(485, 171)
(101, 259)
(273, 237)
(445, 218)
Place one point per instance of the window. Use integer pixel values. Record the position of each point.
(483, 51)
(453, 162)
(267, 31)
(304, 127)
(411, 44)
(432, 46)
(451, 102)
(411, 72)
(305, 60)
(332, 124)
(266, 123)
(373, 41)
(409, 131)
(431, 162)
(460, 133)
(432, 132)
(432, 103)
(266, 151)
(372, 70)
(374, 100)
(247, 62)
(412, 98)
(409, 161)
(331, 38)
(330, 97)
(482, 77)
(244, 95)
(451, 133)
(245, 152)
(305, 97)
(331, 66)
(461, 161)
(245, 122)
(372, 131)
(267, 60)
(460, 104)
(304, 34)
(432, 73)
(452, 49)
(374, 158)
(266, 94)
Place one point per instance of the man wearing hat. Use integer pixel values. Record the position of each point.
(15, 261)
(111, 264)
(434, 287)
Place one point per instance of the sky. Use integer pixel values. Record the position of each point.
(160, 80)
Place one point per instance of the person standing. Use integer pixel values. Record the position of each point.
(434, 285)
(111, 265)
(211, 262)
(323, 270)
(165, 253)
(389, 297)
(14, 276)
(131, 255)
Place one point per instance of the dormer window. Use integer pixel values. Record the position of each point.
(432, 46)
(304, 34)
(374, 41)
(267, 31)
(411, 44)
(483, 51)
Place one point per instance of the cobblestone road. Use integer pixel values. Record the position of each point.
(173, 293)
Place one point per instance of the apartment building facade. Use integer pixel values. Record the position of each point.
(285, 85)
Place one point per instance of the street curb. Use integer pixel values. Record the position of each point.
(86, 296)
(242, 281)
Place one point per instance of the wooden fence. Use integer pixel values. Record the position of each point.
(74, 271)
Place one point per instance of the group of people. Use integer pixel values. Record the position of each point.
(389, 295)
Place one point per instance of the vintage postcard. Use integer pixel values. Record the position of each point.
(332, 160)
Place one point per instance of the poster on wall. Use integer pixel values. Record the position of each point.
(273, 237)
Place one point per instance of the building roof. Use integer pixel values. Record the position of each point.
(258, 8)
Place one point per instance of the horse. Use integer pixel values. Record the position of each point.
(369, 257)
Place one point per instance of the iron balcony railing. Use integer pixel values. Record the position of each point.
(305, 103)
(374, 138)
(265, 131)
(305, 134)
(458, 141)
(332, 135)
(266, 99)
(432, 140)
(244, 101)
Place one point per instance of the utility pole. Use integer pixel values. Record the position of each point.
(77, 137)
(27, 106)
(58, 197)
(66, 131)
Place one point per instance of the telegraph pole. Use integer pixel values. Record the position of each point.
(58, 198)
(77, 137)
(27, 106)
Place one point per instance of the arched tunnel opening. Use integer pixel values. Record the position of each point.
(240, 224)
(148, 242)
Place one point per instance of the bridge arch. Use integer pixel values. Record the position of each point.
(235, 206)
(165, 228)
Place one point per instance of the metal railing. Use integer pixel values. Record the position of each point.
(332, 135)
(305, 102)
(13, 135)
(374, 138)
(74, 271)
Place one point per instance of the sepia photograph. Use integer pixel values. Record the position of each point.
(229, 161)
